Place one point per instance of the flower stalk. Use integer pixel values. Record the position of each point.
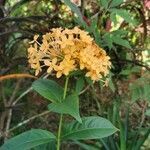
(61, 116)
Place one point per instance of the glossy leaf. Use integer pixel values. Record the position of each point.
(90, 128)
(48, 146)
(28, 140)
(115, 3)
(68, 106)
(48, 89)
(80, 84)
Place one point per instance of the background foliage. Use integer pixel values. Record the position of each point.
(120, 27)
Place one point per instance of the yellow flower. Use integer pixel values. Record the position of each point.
(50, 64)
(66, 50)
(34, 39)
(65, 66)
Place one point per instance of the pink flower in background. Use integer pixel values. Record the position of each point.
(147, 4)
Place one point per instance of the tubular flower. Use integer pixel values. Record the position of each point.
(64, 50)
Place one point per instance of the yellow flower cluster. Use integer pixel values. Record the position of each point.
(66, 50)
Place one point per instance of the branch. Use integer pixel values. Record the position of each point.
(138, 63)
(25, 122)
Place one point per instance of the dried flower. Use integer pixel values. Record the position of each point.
(63, 51)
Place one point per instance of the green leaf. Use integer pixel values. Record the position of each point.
(110, 82)
(147, 113)
(130, 70)
(87, 146)
(115, 3)
(113, 18)
(108, 40)
(75, 73)
(76, 10)
(124, 14)
(140, 89)
(28, 140)
(90, 128)
(125, 72)
(120, 41)
(119, 32)
(48, 89)
(116, 37)
(89, 81)
(93, 29)
(122, 134)
(48, 146)
(68, 106)
(111, 85)
(19, 4)
(105, 143)
(104, 3)
(141, 140)
(79, 85)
